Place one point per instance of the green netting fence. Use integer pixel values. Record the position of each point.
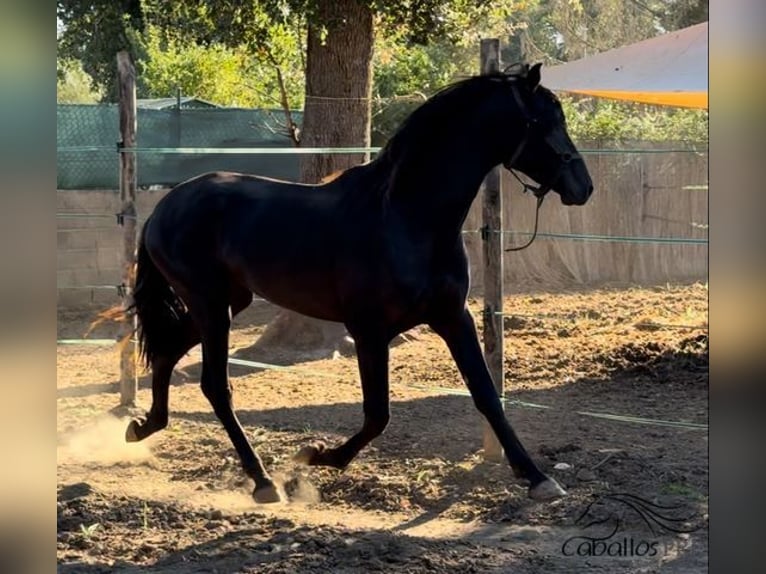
(87, 137)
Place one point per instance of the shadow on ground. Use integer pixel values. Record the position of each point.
(252, 542)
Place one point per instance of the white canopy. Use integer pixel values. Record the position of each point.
(671, 70)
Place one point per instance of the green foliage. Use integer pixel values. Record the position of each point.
(212, 73)
(255, 38)
(453, 21)
(597, 120)
(562, 30)
(73, 85)
(94, 31)
(590, 26)
(232, 52)
(263, 28)
(88, 532)
(677, 14)
(217, 73)
(404, 70)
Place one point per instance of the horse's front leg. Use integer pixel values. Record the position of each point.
(372, 357)
(463, 342)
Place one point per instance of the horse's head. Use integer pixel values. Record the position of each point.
(546, 152)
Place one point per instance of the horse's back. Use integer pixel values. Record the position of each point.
(203, 199)
(221, 186)
(264, 234)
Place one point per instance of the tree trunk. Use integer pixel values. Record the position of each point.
(336, 114)
(338, 86)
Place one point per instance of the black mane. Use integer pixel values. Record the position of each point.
(438, 113)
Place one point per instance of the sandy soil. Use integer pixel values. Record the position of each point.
(420, 498)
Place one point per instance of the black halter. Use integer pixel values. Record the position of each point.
(539, 191)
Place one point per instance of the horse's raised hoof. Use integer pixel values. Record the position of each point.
(548, 489)
(131, 433)
(268, 494)
(308, 454)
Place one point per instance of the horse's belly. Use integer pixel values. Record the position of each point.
(306, 297)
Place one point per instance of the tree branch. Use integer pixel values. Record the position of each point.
(292, 128)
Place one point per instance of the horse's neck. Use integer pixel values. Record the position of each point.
(436, 192)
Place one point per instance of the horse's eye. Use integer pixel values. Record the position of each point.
(566, 157)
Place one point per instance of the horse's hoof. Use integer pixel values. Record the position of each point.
(267, 494)
(308, 454)
(131, 433)
(548, 489)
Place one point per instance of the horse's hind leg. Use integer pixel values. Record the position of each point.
(214, 322)
(162, 369)
(463, 342)
(372, 357)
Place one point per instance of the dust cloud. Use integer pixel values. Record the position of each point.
(102, 441)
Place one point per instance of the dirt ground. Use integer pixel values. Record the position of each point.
(420, 498)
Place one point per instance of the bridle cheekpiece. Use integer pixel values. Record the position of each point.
(539, 191)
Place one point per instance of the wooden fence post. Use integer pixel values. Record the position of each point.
(177, 119)
(128, 218)
(492, 218)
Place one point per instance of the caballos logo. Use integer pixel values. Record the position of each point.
(605, 534)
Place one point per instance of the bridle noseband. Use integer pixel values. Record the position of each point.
(539, 191)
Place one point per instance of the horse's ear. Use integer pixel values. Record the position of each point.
(533, 76)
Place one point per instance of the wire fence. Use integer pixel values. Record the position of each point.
(87, 137)
(76, 221)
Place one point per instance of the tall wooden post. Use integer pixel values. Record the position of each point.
(492, 217)
(128, 218)
(177, 119)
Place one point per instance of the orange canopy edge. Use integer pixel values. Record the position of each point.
(668, 70)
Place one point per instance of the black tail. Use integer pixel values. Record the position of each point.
(160, 312)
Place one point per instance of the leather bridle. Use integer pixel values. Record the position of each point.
(539, 191)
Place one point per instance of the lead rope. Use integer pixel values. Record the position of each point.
(540, 191)
(540, 197)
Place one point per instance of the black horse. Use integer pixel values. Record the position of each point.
(378, 249)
